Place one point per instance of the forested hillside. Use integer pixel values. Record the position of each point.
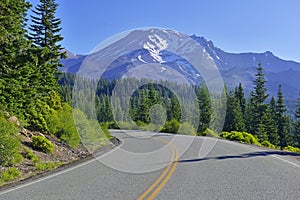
(37, 129)
(262, 116)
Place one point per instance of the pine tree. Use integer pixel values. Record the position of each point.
(240, 96)
(45, 34)
(152, 95)
(175, 108)
(234, 118)
(218, 105)
(249, 113)
(273, 110)
(204, 108)
(15, 57)
(259, 98)
(271, 123)
(261, 133)
(297, 125)
(143, 107)
(282, 120)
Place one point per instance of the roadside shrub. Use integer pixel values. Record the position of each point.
(104, 128)
(28, 153)
(9, 143)
(47, 165)
(112, 125)
(250, 139)
(236, 136)
(42, 143)
(37, 116)
(140, 123)
(292, 149)
(224, 134)
(212, 133)
(151, 127)
(61, 123)
(127, 125)
(268, 144)
(9, 174)
(91, 135)
(187, 129)
(171, 126)
(240, 136)
(17, 158)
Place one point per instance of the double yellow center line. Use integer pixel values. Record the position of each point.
(162, 180)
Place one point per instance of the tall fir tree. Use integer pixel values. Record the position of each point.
(205, 110)
(271, 122)
(282, 120)
(142, 113)
(273, 108)
(175, 108)
(45, 34)
(218, 105)
(16, 58)
(249, 113)
(259, 97)
(240, 96)
(296, 131)
(234, 118)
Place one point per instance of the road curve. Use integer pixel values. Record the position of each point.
(230, 171)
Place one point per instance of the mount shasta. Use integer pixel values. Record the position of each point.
(234, 68)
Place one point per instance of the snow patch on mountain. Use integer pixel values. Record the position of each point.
(141, 59)
(155, 45)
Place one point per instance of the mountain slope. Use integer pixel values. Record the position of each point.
(155, 48)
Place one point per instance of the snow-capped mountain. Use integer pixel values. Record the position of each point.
(171, 49)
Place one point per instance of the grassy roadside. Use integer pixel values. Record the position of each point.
(25, 154)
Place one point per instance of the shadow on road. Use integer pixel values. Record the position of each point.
(246, 155)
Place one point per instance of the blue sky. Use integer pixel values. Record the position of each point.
(233, 25)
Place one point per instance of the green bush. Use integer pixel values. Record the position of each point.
(187, 129)
(112, 125)
(140, 124)
(250, 139)
(61, 123)
(225, 135)
(28, 153)
(171, 126)
(151, 127)
(104, 128)
(53, 117)
(240, 136)
(37, 116)
(9, 142)
(17, 158)
(212, 133)
(268, 144)
(90, 133)
(237, 136)
(127, 125)
(42, 143)
(292, 149)
(9, 174)
(47, 165)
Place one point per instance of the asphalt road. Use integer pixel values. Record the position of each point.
(160, 166)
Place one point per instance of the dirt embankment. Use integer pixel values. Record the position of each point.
(61, 158)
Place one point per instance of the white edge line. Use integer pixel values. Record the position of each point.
(256, 149)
